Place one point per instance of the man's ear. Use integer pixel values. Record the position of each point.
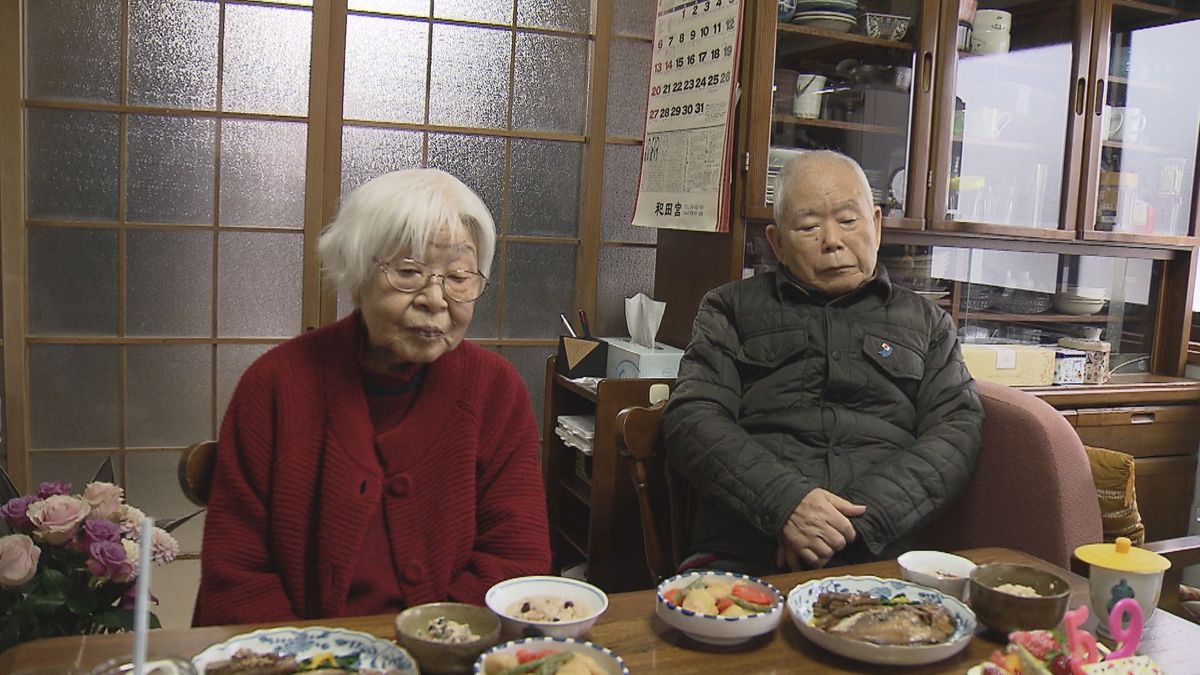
(878, 215)
(775, 239)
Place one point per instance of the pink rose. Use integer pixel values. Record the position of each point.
(18, 560)
(56, 519)
(105, 499)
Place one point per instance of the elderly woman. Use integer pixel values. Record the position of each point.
(379, 462)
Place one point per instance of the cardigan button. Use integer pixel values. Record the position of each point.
(414, 573)
(400, 485)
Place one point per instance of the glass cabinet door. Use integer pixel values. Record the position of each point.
(1143, 129)
(847, 75)
(1009, 126)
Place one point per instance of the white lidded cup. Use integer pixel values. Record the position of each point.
(993, 19)
(1120, 570)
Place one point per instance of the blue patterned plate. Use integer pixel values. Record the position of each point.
(308, 642)
(801, 599)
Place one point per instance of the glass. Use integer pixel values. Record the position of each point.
(386, 62)
(267, 54)
(621, 166)
(1147, 131)
(538, 285)
(625, 271)
(846, 85)
(173, 53)
(72, 164)
(1005, 297)
(73, 396)
(549, 83)
(569, 15)
(473, 10)
(1012, 103)
(469, 76)
(477, 161)
(262, 173)
(259, 283)
(73, 49)
(170, 177)
(168, 282)
(72, 281)
(628, 63)
(368, 152)
(168, 396)
(633, 17)
(545, 180)
(410, 276)
(232, 361)
(530, 363)
(411, 7)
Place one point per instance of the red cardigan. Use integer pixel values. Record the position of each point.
(296, 477)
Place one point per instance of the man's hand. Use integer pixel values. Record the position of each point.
(819, 527)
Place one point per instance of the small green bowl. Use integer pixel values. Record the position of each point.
(443, 657)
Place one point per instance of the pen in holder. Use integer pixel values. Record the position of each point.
(581, 357)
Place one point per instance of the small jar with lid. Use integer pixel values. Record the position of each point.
(1120, 570)
(1095, 365)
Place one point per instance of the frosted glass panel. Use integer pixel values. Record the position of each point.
(633, 17)
(410, 7)
(72, 164)
(625, 271)
(570, 15)
(483, 322)
(474, 10)
(550, 83)
(72, 281)
(530, 362)
(73, 396)
(170, 170)
(477, 161)
(621, 165)
(385, 69)
(168, 282)
(469, 86)
(173, 53)
(258, 290)
(539, 284)
(73, 49)
(266, 59)
(232, 361)
(153, 487)
(628, 79)
(168, 395)
(368, 152)
(543, 196)
(262, 173)
(76, 468)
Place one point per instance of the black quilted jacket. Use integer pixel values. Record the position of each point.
(782, 391)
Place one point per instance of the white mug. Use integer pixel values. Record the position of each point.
(993, 19)
(990, 41)
(807, 102)
(1123, 123)
(985, 122)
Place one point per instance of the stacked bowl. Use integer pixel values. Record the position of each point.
(834, 15)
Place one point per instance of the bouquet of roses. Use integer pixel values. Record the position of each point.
(68, 562)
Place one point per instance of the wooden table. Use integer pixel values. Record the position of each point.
(631, 629)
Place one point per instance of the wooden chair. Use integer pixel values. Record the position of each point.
(196, 466)
(1032, 491)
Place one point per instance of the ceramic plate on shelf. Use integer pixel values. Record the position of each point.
(802, 598)
(305, 643)
(932, 295)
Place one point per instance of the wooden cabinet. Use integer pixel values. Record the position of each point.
(590, 500)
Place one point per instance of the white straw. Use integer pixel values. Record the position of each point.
(141, 607)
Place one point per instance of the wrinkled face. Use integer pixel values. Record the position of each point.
(419, 326)
(830, 235)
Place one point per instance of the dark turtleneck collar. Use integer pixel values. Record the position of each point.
(879, 283)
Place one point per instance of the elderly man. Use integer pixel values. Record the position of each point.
(821, 413)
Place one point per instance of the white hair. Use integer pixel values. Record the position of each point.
(804, 163)
(402, 212)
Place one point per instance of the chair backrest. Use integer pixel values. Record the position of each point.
(1032, 489)
(665, 501)
(196, 466)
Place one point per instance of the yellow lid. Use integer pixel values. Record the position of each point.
(1123, 557)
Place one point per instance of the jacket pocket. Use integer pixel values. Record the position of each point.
(893, 358)
(771, 349)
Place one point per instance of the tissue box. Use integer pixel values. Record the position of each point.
(1014, 365)
(628, 360)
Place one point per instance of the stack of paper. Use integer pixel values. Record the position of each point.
(577, 431)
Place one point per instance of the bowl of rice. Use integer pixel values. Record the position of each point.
(545, 606)
(1007, 598)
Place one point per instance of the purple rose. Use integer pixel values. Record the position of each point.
(16, 512)
(108, 559)
(53, 487)
(96, 530)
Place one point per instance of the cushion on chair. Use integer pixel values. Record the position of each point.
(1113, 474)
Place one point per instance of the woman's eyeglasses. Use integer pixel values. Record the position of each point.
(410, 276)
